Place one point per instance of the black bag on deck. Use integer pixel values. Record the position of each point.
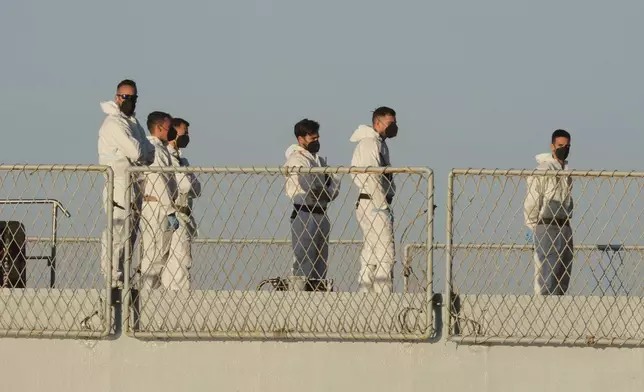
(13, 263)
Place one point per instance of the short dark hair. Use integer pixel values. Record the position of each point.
(127, 82)
(177, 122)
(560, 133)
(382, 112)
(156, 118)
(306, 127)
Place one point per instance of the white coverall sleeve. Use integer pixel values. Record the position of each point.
(372, 183)
(162, 185)
(124, 141)
(195, 185)
(188, 184)
(147, 148)
(533, 202)
(331, 184)
(297, 186)
(195, 188)
(572, 203)
(182, 179)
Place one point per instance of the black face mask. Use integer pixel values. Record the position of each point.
(182, 141)
(391, 131)
(172, 134)
(313, 147)
(128, 106)
(562, 153)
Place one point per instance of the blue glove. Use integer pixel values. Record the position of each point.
(529, 236)
(390, 214)
(173, 222)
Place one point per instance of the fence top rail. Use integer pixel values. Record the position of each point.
(284, 170)
(54, 202)
(538, 172)
(59, 167)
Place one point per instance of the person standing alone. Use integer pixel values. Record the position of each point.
(548, 210)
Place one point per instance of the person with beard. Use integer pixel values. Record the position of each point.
(311, 195)
(122, 143)
(547, 210)
(373, 208)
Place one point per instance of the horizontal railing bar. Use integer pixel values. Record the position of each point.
(54, 202)
(282, 170)
(520, 247)
(530, 172)
(32, 167)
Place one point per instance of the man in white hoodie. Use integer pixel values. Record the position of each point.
(121, 143)
(373, 210)
(548, 209)
(176, 274)
(158, 215)
(311, 194)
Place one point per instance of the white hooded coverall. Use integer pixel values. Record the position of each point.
(156, 231)
(310, 226)
(121, 143)
(176, 275)
(548, 209)
(374, 212)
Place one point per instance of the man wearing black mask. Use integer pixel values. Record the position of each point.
(310, 194)
(547, 212)
(177, 271)
(158, 215)
(122, 143)
(373, 209)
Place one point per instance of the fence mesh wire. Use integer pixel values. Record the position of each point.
(46, 289)
(507, 276)
(244, 277)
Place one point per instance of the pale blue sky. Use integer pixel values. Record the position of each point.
(475, 84)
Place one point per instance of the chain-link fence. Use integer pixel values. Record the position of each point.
(545, 257)
(235, 252)
(46, 290)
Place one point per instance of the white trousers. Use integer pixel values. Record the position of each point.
(378, 251)
(176, 274)
(156, 236)
(120, 239)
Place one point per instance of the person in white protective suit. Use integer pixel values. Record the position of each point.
(311, 195)
(176, 275)
(121, 143)
(158, 215)
(548, 209)
(373, 209)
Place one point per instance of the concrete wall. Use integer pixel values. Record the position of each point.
(127, 364)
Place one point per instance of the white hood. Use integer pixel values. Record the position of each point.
(363, 132)
(110, 108)
(547, 161)
(292, 149)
